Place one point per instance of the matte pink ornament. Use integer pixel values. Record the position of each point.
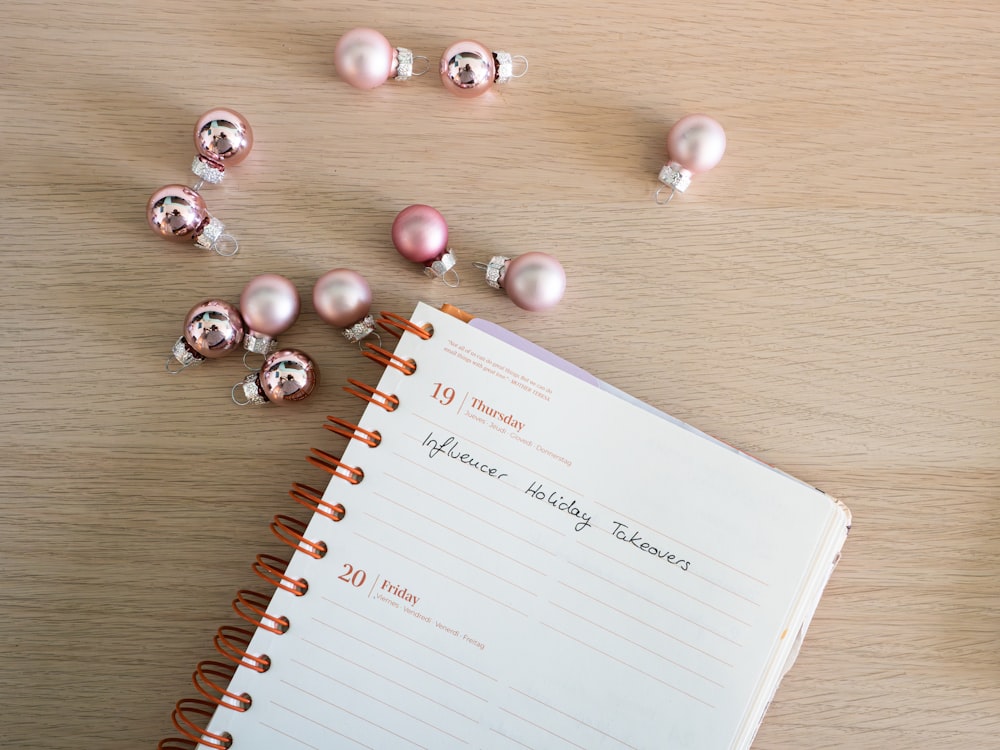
(223, 138)
(420, 234)
(176, 212)
(533, 281)
(287, 376)
(695, 144)
(270, 305)
(470, 69)
(343, 299)
(213, 328)
(364, 58)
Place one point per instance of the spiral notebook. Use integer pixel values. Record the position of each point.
(513, 554)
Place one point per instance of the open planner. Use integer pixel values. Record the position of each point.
(513, 554)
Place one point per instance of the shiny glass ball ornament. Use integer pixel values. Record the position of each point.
(213, 328)
(223, 138)
(695, 144)
(420, 234)
(364, 58)
(270, 305)
(469, 69)
(287, 376)
(533, 281)
(176, 212)
(343, 299)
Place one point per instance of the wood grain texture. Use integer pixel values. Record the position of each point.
(825, 299)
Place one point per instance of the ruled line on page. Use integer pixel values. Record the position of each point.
(511, 739)
(356, 689)
(657, 605)
(626, 664)
(407, 688)
(657, 654)
(465, 561)
(579, 721)
(469, 513)
(505, 605)
(321, 725)
(702, 553)
(728, 591)
(399, 634)
(456, 532)
(289, 736)
(392, 655)
(654, 579)
(486, 448)
(544, 729)
(506, 508)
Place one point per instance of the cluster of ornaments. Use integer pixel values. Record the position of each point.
(365, 59)
(269, 305)
(222, 137)
(533, 281)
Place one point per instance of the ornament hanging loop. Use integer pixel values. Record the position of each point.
(524, 72)
(252, 368)
(226, 245)
(171, 360)
(236, 400)
(426, 65)
(669, 198)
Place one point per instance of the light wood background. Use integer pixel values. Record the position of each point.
(826, 298)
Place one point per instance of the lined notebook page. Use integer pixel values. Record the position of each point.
(533, 562)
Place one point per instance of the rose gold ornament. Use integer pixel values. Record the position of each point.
(695, 144)
(287, 376)
(364, 58)
(223, 139)
(270, 305)
(533, 281)
(420, 234)
(343, 299)
(213, 328)
(469, 69)
(176, 212)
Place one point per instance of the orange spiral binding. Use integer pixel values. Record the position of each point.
(191, 730)
(387, 401)
(249, 603)
(212, 678)
(272, 570)
(290, 530)
(231, 642)
(204, 684)
(397, 325)
(342, 427)
(312, 498)
(384, 357)
(333, 465)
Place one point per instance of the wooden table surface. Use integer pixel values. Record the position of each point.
(826, 299)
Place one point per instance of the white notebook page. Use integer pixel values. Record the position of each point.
(531, 562)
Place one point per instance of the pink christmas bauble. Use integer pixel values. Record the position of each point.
(342, 297)
(364, 58)
(223, 136)
(696, 143)
(177, 212)
(270, 304)
(468, 69)
(534, 281)
(420, 233)
(213, 328)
